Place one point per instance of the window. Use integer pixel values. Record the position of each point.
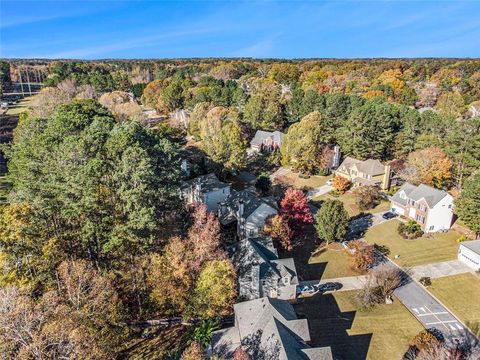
(431, 228)
(450, 206)
(250, 232)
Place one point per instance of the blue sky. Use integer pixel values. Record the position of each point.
(281, 29)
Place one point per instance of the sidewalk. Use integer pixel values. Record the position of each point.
(441, 269)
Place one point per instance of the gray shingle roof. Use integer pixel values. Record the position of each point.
(371, 167)
(473, 245)
(258, 268)
(207, 182)
(431, 195)
(251, 202)
(261, 135)
(276, 325)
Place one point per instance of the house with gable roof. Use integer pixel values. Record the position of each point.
(267, 141)
(205, 189)
(260, 272)
(248, 210)
(368, 172)
(431, 208)
(272, 325)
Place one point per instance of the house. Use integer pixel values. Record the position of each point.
(248, 210)
(273, 326)
(267, 141)
(205, 189)
(469, 253)
(367, 172)
(431, 208)
(260, 272)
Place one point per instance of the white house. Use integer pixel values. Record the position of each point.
(205, 189)
(431, 208)
(469, 253)
(248, 210)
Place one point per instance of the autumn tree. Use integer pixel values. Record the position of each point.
(98, 190)
(340, 184)
(215, 289)
(429, 166)
(222, 137)
(263, 110)
(380, 284)
(451, 104)
(302, 146)
(279, 229)
(362, 254)
(367, 197)
(198, 115)
(295, 210)
(332, 221)
(284, 73)
(467, 206)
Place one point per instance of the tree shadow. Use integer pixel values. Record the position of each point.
(328, 327)
(358, 226)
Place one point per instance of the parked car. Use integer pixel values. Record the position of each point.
(330, 286)
(389, 215)
(307, 289)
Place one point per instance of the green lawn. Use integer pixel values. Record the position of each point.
(429, 248)
(337, 263)
(458, 293)
(294, 179)
(348, 200)
(381, 333)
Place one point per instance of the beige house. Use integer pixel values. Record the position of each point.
(367, 172)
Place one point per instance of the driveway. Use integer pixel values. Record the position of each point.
(321, 190)
(348, 283)
(358, 226)
(441, 269)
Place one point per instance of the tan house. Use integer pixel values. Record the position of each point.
(367, 172)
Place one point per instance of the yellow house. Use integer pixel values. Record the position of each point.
(367, 172)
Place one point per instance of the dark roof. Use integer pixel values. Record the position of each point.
(207, 182)
(250, 200)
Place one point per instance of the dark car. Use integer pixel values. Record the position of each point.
(330, 286)
(389, 215)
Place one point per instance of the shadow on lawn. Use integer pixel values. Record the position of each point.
(328, 327)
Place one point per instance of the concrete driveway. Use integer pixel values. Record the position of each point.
(319, 191)
(348, 283)
(441, 269)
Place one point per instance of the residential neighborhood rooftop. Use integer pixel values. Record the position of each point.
(431, 195)
(207, 183)
(261, 135)
(473, 245)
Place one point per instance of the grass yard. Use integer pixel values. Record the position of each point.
(348, 200)
(380, 333)
(460, 293)
(293, 179)
(429, 248)
(336, 260)
(21, 106)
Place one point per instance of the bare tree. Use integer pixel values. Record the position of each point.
(380, 284)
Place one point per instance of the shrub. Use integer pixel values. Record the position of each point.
(362, 254)
(425, 281)
(409, 230)
(462, 238)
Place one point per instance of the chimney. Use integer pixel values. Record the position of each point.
(386, 178)
(241, 207)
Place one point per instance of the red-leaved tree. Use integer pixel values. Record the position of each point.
(294, 208)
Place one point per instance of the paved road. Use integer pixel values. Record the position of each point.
(440, 269)
(427, 309)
